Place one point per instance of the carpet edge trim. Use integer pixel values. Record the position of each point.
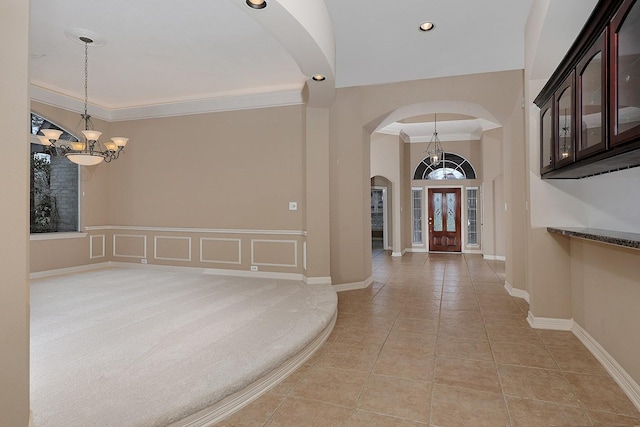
(240, 399)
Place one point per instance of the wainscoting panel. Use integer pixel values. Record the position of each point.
(170, 248)
(274, 253)
(129, 246)
(242, 250)
(97, 246)
(220, 250)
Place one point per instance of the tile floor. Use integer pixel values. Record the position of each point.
(436, 340)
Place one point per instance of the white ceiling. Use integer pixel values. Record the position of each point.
(379, 42)
(163, 58)
(157, 52)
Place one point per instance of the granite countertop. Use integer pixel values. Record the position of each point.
(619, 238)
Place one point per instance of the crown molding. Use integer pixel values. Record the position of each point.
(198, 106)
(66, 102)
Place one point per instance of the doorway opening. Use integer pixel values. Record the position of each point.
(379, 234)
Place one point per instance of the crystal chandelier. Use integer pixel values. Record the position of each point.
(434, 149)
(90, 151)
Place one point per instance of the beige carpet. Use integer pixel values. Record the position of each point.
(140, 347)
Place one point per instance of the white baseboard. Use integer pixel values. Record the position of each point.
(197, 270)
(472, 251)
(396, 254)
(318, 280)
(515, 292)
(353, 286)
(69, 270)
(418, 250)
(617, 372)
(238, 400)
(549, 323)
(494, 257)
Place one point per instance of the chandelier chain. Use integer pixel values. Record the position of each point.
(86, 76)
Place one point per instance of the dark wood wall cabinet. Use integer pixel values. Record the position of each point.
(590, 107)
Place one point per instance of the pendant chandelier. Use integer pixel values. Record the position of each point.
(434, 149)
(90, 151)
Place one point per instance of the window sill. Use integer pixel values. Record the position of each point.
(57, 236)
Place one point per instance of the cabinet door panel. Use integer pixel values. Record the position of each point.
(564, 128)
(625, 81)
(592, 95)
(546, 137)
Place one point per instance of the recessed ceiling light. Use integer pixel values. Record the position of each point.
(257, 4)
(427, 26)
(318, 77)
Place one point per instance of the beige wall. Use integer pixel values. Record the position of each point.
(237, 169)
(14, 193)
(318, 206)
(549, 287)
(350, 188)
(516, 198)
(496, 222)
(492, 230)
(605, 294)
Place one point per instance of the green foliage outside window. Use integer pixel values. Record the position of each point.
(44, 211)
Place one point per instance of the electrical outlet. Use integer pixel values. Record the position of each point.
(143, 260)
(254, 268)
(293, 206)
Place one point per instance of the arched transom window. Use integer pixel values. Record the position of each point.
(453, 167)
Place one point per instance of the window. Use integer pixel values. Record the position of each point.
(452, 166)
(472, 216)
(53, 186)
(417, 215)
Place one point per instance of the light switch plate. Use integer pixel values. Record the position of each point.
(293, 206)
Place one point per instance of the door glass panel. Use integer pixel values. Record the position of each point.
(437, 211)
(628, 108)
(472, 216)
(546, 138)
(591, 120)
(564, 124)
(451, 212)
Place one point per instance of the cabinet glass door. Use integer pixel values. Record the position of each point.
(546, 138)
(592, 99)
(625, 112)
(564, 115)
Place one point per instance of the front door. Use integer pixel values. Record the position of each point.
(444, 220)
